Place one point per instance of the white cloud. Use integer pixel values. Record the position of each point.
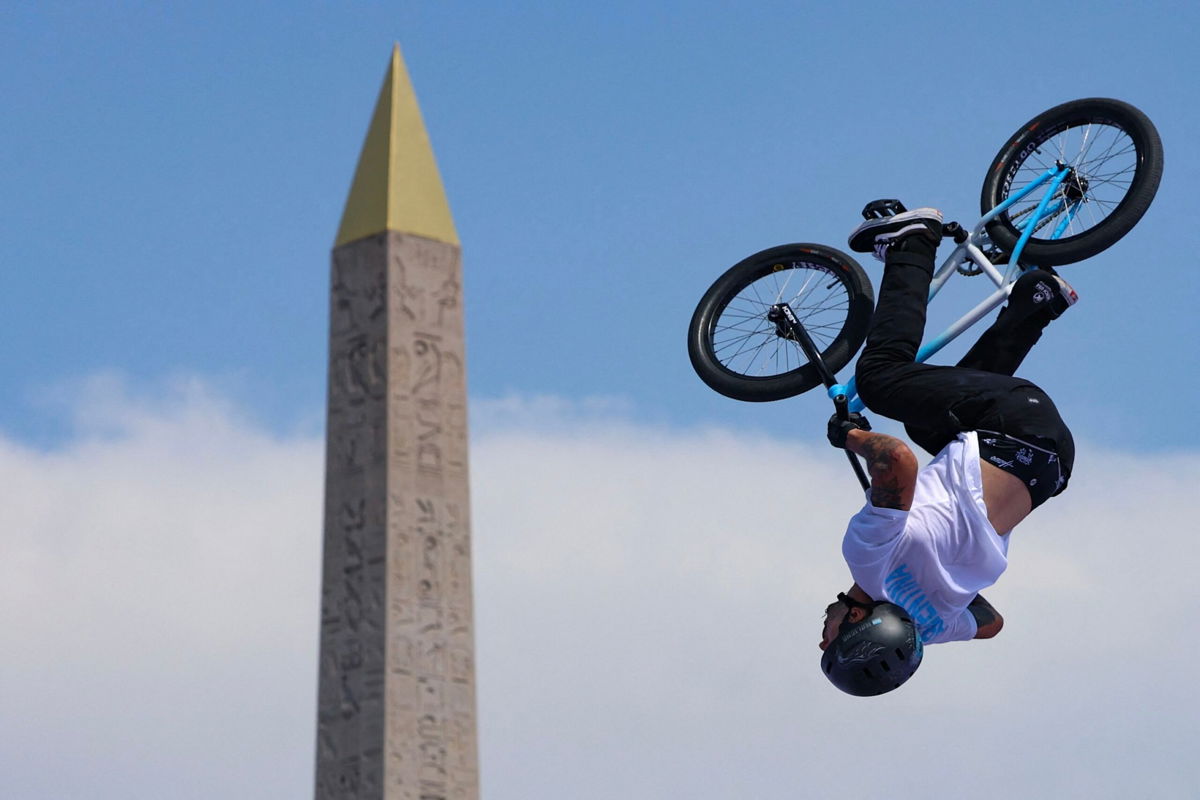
(157, 597)
(648, 606)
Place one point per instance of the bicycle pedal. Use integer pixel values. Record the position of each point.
(952, 230)
(882, 209)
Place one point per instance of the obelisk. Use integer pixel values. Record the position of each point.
(396, 697)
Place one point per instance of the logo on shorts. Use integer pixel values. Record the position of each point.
(1025, 456)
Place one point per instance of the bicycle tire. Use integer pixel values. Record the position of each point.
(1118, 160)
(737, 352)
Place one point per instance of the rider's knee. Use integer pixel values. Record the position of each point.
(869, 379)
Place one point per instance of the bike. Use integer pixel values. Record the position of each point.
(1098, 163)
(1067, 185)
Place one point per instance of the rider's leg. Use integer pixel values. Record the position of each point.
(1024, 411)
(1036, 298)
(934, 402)
(937, 403)
(888, 379)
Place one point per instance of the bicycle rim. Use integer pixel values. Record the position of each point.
(1105, 160)
(747, 344)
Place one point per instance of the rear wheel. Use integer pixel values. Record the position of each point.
(1116, 162)
(739, 352)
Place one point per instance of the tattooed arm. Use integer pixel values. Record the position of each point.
(987, 618)
(891, 465)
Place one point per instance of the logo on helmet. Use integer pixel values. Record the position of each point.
(875, 655)
(858, 653)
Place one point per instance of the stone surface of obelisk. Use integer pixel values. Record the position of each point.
(396, 697)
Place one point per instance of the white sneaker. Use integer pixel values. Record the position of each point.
(1063, 298)
(879, 235)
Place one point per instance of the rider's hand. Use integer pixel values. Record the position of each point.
(839, 428)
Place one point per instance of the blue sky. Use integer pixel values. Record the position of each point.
(171, 181)
(175, 176)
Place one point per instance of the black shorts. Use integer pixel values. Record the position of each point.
(1038, 467)
(1029, 438)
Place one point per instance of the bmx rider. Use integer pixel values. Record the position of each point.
(929, 539)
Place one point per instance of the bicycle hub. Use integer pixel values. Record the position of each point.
(780, 317)
(1074, 186)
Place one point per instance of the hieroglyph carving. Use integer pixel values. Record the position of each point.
(396, 715)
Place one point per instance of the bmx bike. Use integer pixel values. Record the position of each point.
(1067, 185)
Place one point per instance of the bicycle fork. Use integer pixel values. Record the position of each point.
(788, 326)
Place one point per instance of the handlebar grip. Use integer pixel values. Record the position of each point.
(841, 407)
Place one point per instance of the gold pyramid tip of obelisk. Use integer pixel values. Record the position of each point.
(397, 186)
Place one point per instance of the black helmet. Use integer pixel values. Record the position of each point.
(875, 655)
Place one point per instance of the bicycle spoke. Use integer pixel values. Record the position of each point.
(1105, 161)
(746, 342)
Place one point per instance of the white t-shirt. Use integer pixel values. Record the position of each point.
(934, 558)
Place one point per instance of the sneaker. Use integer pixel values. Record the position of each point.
(1063, 297)
(1047, 287)
(880, 234)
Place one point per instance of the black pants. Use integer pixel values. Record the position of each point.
(936, 403)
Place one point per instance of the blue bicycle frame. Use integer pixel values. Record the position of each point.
(969, 250)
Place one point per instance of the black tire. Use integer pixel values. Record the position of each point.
(1115, 151)
(737, 352)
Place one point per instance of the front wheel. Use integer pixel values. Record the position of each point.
(1116, 162)
(739, 352)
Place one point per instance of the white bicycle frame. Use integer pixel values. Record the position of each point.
(970, 250)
